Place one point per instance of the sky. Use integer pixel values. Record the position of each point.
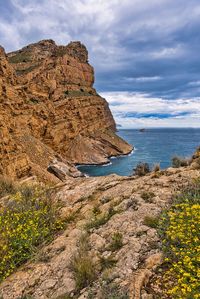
(146, 54)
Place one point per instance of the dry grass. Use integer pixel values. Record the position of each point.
(83, 267)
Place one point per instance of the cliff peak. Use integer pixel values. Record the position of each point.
(49, 107)
(78, 50)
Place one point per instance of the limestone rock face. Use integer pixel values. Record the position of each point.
(48, 107)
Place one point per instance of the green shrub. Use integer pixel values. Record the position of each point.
(147, 196)
(76, 93)
(97, 221)
(7, 186)
(107, 262)
(117, 241)
(156, 167)
(179, 162)
(196, 164)
(27, 70)
(101, 219)
(20, 57)
(96, 210)
(30, 219)
(83, 267)
(60, 52)
(113, 291)
(142, 169)
(151, 221)
(34, 101)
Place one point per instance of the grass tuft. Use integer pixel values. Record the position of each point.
(101, 219)
(7, 186)
(117, 241)
(113, 291)
(151, 221)
(107, 262)
(147, 196)
(83, 267)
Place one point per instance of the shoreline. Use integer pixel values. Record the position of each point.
(77, 165)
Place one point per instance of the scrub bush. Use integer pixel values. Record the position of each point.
(179, 229)
(30, 219)
(142, 169)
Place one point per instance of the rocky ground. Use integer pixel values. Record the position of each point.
(115, 218)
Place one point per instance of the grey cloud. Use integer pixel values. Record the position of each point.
(138, 46)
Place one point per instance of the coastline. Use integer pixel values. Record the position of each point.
(157, 146)
(77, 165)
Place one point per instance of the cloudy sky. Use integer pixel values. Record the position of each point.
(146, 53)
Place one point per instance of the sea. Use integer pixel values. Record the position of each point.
(152, 146)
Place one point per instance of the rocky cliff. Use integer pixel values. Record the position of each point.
(49, 111)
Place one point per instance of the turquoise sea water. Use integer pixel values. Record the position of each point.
(152, 146)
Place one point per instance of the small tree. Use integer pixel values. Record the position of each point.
(142, 169)
(179, 162)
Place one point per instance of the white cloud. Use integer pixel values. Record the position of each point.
(194, 83)
(143, 79)
(181, 112)
(168, 52)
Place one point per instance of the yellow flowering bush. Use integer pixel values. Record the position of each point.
(180, 230)
(29, 219)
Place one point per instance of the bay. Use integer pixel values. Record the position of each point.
(151, 146)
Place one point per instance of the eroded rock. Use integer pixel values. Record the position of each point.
(48, 107)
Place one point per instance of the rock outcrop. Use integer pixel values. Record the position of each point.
(123, 271)
(48, 107)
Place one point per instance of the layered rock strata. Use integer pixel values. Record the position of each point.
(49, 108)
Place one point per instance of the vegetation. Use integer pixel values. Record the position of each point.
(96, 210)
(151, 221)
(26, 70)
(20, 57)
(7, 186)
(142, 169)
(30, 219)
(197, 163)
(107, 262)
(147, 196)
(112, 291)
(180, 162)
(83, 267)
(60, 52)
(156, 167)
(77, 93)
(34, 101)
(101, 219)
(179, 229)
(117, 241)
